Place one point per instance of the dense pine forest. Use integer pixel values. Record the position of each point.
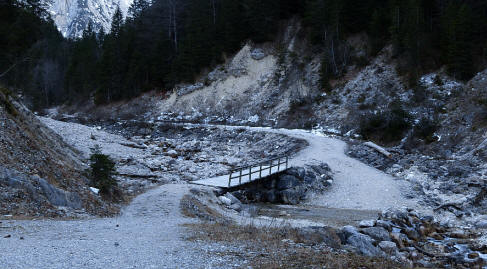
(165, 42)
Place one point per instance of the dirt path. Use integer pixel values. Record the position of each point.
(147, 235)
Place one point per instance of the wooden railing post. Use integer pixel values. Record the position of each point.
(261, 169)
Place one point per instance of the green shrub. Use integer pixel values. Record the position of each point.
(387, 126)
(438, 81)
(102, 170)
(425, 129)
(5, 102)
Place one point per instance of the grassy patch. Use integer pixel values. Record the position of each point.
(193, 208)
(267, 247)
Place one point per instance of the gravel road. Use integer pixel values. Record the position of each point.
(147, 235)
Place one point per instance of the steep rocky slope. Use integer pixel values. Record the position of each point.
(40, 175)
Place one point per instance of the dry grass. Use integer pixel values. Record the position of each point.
(267, 247)
(193, 208)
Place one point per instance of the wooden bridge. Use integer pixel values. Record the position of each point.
(246, 174)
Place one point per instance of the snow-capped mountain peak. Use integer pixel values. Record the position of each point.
(73, 16)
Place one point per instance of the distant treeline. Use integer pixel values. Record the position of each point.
(165, 42)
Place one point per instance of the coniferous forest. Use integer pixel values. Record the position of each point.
(165, 42)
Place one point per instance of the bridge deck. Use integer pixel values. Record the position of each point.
(245, 175)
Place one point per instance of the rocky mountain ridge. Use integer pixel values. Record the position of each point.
(72, 17)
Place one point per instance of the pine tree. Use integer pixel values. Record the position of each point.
(117, 22)
(325, 74)
(460, 60)
(378, 31)
(137, 8)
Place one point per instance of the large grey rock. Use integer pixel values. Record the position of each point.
(172, 153)
(367, 223)
(292, 196)
(298, 172)
(43, 191)
(364, 245)
(232, 198)
(225, 200)
(349, 230)
(287, 182)
(57, 196)
(310, 177)
(237, 207)
(321, 169)
(384, 224)
(377, 233)
(257, 54)
(388, 247)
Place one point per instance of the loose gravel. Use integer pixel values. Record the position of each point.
(147, 235)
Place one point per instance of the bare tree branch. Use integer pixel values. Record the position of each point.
(14, 65)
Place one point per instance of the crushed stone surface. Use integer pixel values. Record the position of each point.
(148, 234)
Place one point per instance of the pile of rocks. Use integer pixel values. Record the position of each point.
(417, 241)
(289, 187)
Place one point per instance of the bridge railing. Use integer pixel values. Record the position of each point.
(259, 170)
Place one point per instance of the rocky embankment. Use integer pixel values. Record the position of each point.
(416, 240)
(40, 175)
(453, 188)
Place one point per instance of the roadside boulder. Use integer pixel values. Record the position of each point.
(364, 245)
(377, 233)
(257, 54)
(367, 223)
(388, 247)
(225, 200)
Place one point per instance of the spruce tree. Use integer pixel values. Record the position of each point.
(117, 22)
(137, 8)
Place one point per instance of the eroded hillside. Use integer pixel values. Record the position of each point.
(40, 175)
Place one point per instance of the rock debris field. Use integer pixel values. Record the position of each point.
(148, 233)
